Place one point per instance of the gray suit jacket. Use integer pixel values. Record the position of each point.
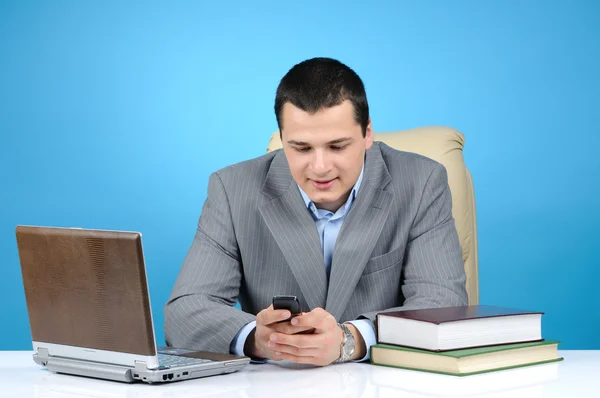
(397, 249)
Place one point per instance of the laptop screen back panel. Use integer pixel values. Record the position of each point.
(86, 288)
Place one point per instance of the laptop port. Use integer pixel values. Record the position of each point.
(135, 375)
(170, 376)
(185, 373)
(165, 377)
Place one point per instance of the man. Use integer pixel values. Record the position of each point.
(349, 226)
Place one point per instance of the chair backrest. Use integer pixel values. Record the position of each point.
(444, 145)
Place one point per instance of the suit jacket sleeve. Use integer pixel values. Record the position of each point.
(200, 313)
(433, 270)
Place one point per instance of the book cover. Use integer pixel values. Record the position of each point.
(454, 314)
(463, 353)
(468, 352)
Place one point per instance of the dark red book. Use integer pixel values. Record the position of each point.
(452, 328)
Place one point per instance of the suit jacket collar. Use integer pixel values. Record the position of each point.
(294, 231)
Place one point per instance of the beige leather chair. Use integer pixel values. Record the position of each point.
(444, 145)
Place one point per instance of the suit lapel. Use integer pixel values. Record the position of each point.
(360, 232)
(294, 231)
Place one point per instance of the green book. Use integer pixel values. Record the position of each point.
(467, 361)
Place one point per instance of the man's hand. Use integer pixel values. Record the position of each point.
(320, 348)
(269, 322)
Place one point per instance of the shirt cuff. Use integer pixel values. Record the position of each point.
(367, 330)
(237, 344)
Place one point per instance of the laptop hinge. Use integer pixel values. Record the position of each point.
(43, 354)
(140, 366)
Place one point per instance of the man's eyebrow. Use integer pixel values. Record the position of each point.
(338, 141)
(299, 143)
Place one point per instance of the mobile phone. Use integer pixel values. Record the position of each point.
(289, 303)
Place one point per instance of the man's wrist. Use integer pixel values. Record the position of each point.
(250, 346)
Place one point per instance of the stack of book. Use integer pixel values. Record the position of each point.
(462, 341)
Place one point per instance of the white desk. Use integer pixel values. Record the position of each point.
(577, 376)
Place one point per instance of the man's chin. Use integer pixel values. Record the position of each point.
(324, 199)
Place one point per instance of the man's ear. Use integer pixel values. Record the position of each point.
(369, 135)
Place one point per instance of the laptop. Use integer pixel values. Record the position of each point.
(89, 309)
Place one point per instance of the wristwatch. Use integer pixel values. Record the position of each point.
(348, 346)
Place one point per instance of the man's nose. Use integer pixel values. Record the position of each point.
(321, 162)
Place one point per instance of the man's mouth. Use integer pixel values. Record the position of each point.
(323, 184)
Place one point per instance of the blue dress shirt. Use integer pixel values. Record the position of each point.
(328, 225)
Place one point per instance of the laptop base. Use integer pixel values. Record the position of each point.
(131, 375)
(87, 369)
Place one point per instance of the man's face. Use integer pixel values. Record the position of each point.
(325, 151)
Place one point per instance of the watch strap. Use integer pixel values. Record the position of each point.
(347, 346)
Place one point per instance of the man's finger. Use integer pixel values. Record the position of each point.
(270, 316)
(311, 319)
(298, 341)
(299, 352)
(288, 328)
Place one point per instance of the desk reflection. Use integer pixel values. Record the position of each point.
(527, 382)
(577, 376)
(288, 380)
(280, 379)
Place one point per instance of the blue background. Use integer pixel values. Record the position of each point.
(113, 115)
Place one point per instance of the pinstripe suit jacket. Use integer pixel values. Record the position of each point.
(398, 248)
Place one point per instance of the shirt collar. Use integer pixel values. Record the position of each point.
(311, 206)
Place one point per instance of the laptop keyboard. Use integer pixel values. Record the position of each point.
(173, 361)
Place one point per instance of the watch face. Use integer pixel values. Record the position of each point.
(349, 348)
(349, 345)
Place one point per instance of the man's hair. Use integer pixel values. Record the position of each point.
(320, 83)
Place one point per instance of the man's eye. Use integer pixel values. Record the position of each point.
(302, 149)
(338, 147)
